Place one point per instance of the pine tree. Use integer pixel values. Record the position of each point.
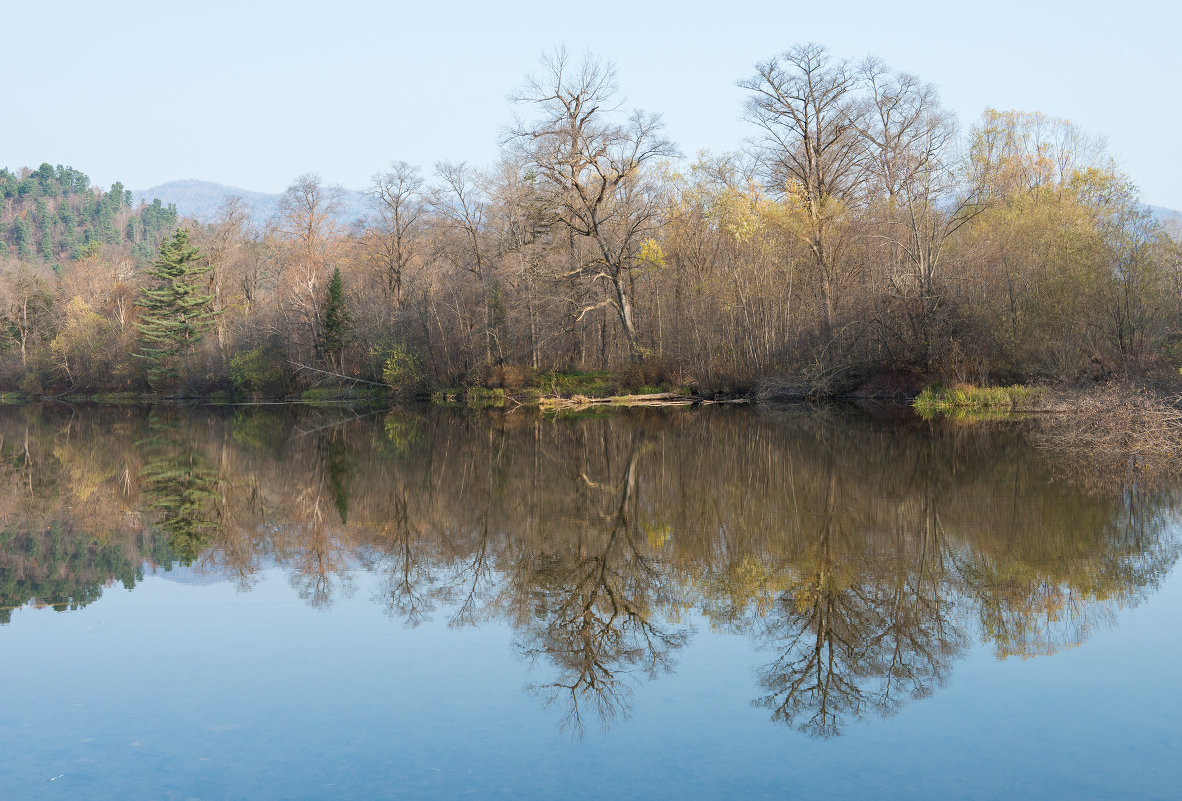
(175, 313)
(24, 239)
(335, 320)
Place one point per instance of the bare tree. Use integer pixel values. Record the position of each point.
(461, 205)
(594, 172)
(25, 300)
(224, 243)
(916, 178)
(521, 230)
(809, 150)
(394, 235)
(307, 223)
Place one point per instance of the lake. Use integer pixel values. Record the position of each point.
(265, 602)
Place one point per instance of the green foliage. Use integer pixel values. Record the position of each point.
(356, 395)
(340, 473)
(259, 429)
(66, 567)
(966, 398)
(55, 213)
(335, 319)
(22, 234)
(401, 370)
(592, 384)
(404, 432)
(176, 312)
(260, 371)
(180, 487)
(482, 398)
(472, 397)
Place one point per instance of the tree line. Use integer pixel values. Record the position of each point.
(860, 231)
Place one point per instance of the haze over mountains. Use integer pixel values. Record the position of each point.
(201, 199)
(1166, 215)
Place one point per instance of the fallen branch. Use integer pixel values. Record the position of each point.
(653, 399)
(336, 375)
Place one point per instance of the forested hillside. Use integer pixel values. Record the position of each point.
(51, 215)
(862, 232)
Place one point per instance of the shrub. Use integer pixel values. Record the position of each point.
(512, 377)
(260, 372)
(401, 370)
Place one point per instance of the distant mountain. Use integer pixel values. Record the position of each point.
(201, 199)
(1163, 214)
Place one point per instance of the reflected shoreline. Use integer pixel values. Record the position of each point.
(863, 555)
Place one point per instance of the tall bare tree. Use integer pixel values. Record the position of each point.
(461, 206)
(310, 236)
(917, 184)
(394, 234)
(594, 172)
(225, 242)
(806, 107)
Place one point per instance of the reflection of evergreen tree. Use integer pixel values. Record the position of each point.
(339, 471)
(67, 568)
(180, 487)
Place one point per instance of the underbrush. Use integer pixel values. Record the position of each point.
(1112, 429)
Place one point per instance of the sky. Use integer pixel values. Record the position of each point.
(253, 94)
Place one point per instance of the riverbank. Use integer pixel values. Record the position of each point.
(576, 390)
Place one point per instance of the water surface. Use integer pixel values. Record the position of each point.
(724, 603)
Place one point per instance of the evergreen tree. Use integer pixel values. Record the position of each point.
(24, 239)
(175, 312)
(335, 320)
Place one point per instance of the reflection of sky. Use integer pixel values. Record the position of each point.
(185, 691)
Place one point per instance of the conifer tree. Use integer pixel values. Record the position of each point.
(335, 320)
(175, 311)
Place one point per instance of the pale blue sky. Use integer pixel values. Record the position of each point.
(254, 93)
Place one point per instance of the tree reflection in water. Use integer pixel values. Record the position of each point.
(179, 485)
(596, 593)
(857, 635)
(862, 557)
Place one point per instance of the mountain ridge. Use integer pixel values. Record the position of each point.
(201, 199)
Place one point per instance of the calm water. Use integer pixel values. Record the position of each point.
(700, 604)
